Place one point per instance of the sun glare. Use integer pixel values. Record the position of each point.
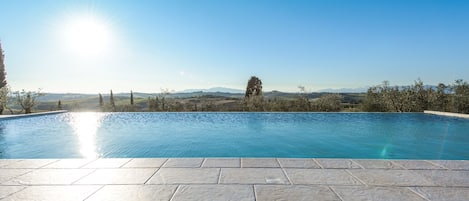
(86, 125)
(87, 35)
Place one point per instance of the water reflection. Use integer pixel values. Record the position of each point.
(85, 125)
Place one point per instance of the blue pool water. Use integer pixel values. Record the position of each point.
(320, 135)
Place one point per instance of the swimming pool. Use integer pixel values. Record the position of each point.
(318, 135)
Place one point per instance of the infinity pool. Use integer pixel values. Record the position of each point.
(318, 135)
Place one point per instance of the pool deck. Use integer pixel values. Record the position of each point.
(259, 179)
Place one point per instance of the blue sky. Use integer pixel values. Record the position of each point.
(96, 45)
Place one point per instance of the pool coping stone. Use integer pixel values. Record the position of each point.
(256, 179)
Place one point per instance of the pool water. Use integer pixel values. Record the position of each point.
(318, 135)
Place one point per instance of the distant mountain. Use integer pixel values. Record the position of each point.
(213, 90)
(346, 90)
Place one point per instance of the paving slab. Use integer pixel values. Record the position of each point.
(377, 164)
(298, 163)
(145, 162)
(30, 163)
(185, 176)
(49, 176)
(453, 164)
(380, 177)
(6, 162)
(446, 178)
(7, 174)
(183, 162)
(108, 163)
(358, 193)
(294, 192)
(222, 162)
(134, 192)
(233, 179)
(259, 163)
(321, 176)
(46, 193)
(6, 191)
(442, 193)
(214, 193)
(252, 176)
(118, 176)
(417, 165)
(69, 163)
(337, 163)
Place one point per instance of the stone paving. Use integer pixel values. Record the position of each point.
(178, 179)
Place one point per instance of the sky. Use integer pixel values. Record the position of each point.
(94, 46)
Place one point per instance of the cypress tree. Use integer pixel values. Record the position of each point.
(101, 101)
(59, 105)
(111, 100)
(3, 81)
(131, 98)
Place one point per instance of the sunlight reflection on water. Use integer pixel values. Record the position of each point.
(85, 126)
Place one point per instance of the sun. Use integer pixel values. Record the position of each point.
(87, 35)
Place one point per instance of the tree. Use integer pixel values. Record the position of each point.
(461, 96)
(112, 103)
(441, 98)
(254, 87)
(3, 81)
(253, 99)
(101, 101)
(328, 103)
(131, 98)
(302, 102)
(27, 100)
(4, 89)
(59, 105)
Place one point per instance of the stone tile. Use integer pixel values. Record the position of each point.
(295, 192)
(446, 178)
(321, 176)
(417, 165)
(259, 162)
(377, 164)
(7, 174)
(185, 176)
(214, 193)
(297, 163)
(446, 194)
(252, 176)
(222, 162)
(50, 176)
(108, 163)
(379, 177)
(183, 162)
(30, 163)
(453, 164)
(5, 191)
(337, 163)
(62, 193)
(118, 176)
(358, 193)
(134, 192)
(145, 162)
(69, 163)
(6, 162)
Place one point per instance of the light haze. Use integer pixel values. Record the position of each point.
(146, 46)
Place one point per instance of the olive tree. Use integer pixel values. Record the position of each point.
(328, 103)
(27, 100)
(461, 96)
